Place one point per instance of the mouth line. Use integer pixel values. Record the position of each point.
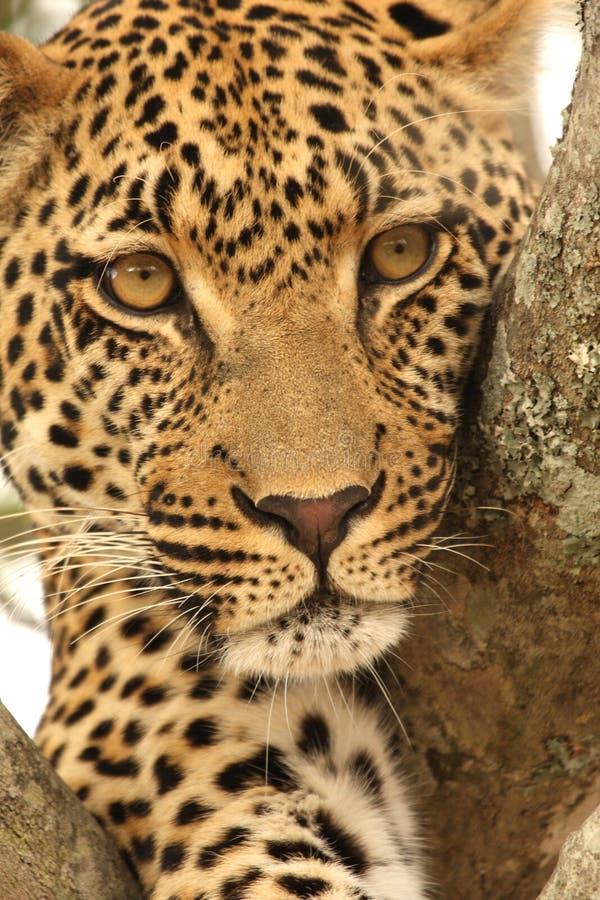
(322, 595)
(324, 609)
(320, 603)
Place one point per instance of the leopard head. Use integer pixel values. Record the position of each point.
(245, 252)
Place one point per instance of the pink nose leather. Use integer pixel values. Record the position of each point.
(315, 527)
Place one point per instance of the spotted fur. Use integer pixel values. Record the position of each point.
(200, 702)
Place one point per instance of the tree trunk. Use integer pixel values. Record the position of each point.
(50, 845)
(502, 687)
(501, 691)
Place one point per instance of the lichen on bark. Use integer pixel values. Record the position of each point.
(540, 413)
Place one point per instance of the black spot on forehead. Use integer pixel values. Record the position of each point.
(329, 117)
(261, 12)
(327, 59)
(418, 23)
(359, 10)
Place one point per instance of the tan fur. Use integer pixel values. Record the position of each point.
(31, 85)
(498, 45)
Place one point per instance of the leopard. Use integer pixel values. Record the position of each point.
(246, 253)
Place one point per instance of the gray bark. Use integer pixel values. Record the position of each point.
(577, 875)
(50, 846)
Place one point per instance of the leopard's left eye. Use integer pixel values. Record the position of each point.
(141, 282)
(399, 254)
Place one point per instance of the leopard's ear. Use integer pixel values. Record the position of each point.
(31, 86)
(493, 46)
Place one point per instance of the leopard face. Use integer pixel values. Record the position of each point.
(245, 253)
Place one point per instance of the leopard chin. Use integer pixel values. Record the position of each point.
(322, 636)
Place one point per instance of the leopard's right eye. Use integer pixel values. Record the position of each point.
(400, 254)
(141, 282)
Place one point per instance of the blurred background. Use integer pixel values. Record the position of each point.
(24, 648)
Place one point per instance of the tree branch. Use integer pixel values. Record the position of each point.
(577, 875)
(50, 846)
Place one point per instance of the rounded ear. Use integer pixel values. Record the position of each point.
(487, 46)
(31, 85)
(496, 47)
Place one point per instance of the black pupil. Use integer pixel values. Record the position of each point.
(400, 247)
(145, 274)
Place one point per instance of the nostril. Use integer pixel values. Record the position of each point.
(249, 508)
(316, 524)
(364, 507)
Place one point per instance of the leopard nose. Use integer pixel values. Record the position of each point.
(315, 526)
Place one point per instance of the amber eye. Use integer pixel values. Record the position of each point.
(143, 282)
(398, 254)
